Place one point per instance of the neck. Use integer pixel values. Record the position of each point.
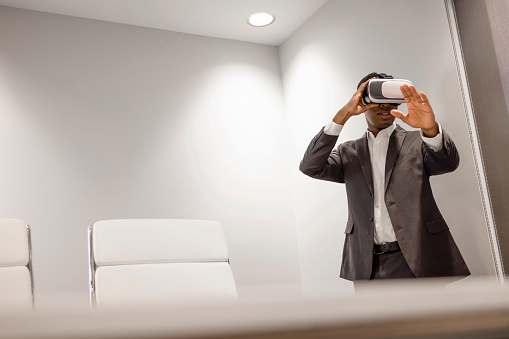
(374, 130)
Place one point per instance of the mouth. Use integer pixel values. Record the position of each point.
(385, 114)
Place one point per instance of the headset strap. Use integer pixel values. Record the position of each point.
(385, 76)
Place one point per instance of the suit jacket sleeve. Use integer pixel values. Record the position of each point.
(444, 161)
(322, 160)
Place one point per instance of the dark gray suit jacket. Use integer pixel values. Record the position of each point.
(421, 231)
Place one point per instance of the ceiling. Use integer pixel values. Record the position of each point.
(215, 18)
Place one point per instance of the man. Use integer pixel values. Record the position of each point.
(395, 229)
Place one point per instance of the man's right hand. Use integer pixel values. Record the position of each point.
(353, 107)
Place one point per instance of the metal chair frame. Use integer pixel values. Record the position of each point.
(92, 267)
(30, 265)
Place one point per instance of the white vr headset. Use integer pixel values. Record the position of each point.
(384, 91)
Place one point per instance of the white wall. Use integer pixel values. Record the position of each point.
(321, 66)
(104, 121)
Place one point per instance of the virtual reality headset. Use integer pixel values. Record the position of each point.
(384, 91)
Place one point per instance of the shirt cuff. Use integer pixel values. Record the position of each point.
(332, 128)
(434, 143)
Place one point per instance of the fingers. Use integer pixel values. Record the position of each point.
(406, 93)
(424, 98)
(410, 94)
(356, 103)
(364, 84)
(368, 106)
(399, 114)
(415, 95)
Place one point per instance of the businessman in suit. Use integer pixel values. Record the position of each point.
(395, 229)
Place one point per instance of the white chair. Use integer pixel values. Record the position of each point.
(16, 279)
(147, 261)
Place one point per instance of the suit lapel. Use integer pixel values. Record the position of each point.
(395, 142)
(365, 160)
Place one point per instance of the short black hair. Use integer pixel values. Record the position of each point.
(374, 75)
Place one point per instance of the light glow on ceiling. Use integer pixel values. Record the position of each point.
(260, 19)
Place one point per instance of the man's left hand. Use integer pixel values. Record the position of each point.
(420, 114)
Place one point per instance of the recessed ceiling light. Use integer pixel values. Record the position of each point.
(260, 19)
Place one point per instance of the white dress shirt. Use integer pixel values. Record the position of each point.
(378, 145)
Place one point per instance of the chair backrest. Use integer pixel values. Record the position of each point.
(135, 261)
(16, 280)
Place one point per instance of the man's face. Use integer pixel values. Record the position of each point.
(380, 117)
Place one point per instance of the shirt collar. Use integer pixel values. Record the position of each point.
(386, 132)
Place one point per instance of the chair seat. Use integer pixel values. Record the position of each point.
(166, 283)
(16, 289)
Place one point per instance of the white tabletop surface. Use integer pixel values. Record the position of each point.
(68, 316)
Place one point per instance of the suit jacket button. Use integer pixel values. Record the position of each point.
(370, 218)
